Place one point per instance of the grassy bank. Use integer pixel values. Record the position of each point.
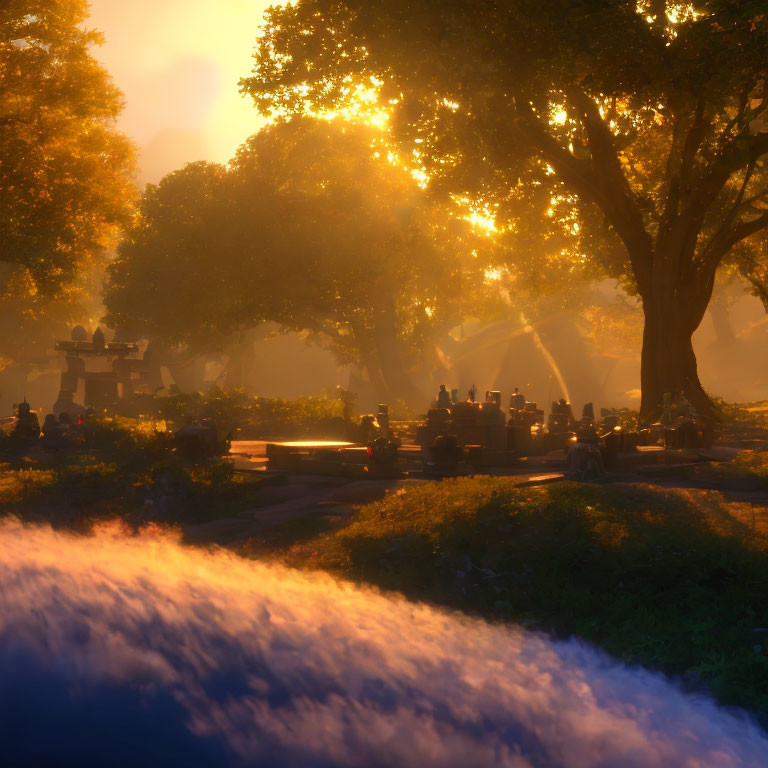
(675, 580)
(121, 468)
(746, 472)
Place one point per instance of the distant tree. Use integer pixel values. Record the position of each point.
(750, 261)
(64, 168)
(171, 277)
(307, 228)
(648, 118)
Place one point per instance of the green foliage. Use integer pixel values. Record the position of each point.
(81, 484)
(747, 472)
(743, 416)
(234, 410)
(64, 168)
(65, 171)
(19, 485)
(628, 419)
(669, 579)
(126, 469)
(632, 136)
(178, 255)
(749, 464)
(308, 227)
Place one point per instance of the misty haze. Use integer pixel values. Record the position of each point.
(384, 384)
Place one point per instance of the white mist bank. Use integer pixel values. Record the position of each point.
(129, 651)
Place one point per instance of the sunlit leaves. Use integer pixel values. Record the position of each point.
(307, 228)
(64, 170)
(456, 82)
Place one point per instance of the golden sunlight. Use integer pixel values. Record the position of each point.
(179, 73)
(559, 116)
(482, 220)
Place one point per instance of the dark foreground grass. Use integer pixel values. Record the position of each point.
(80, 494)
(122, 468)
(675, 580)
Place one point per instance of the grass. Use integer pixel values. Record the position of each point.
(235, 411)
(748, 471)
(743, 419)
(674, 580)
(122, 468)
(167, 492)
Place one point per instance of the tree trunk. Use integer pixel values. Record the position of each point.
(389, 355)
(668, 360)
(721, 320)
(376, 379)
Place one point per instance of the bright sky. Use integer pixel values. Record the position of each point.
(178, 63)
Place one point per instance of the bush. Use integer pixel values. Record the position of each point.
(234, 410)
(743, 416)
(670, 579)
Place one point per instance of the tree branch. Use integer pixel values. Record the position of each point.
(588, 178)
(680, 166)
(739, 154)
(728, 239)
(729, 217)
(616, 197)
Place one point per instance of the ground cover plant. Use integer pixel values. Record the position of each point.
(674, 580)
(122, 468)
(242, 415)
(747, 472)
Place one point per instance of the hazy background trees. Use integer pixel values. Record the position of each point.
(487, 195)
(649, 118)
(310, 228)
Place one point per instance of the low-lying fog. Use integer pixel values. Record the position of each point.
(118, 650)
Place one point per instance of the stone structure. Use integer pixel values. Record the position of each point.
(198, 440)
(120, 372)
(444, 398)
(26, 430)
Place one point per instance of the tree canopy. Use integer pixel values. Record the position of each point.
(65, 171)
(308, 227)
(645, 123)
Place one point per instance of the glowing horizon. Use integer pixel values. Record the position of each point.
(180, 75)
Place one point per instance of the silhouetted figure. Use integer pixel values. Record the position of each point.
(443, 398)
(367, 430)
(27, 428)
(382, 450)
(444, 454)
(98, 340)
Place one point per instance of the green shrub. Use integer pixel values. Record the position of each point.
(235, 410)
(740, 416)
(671, 579)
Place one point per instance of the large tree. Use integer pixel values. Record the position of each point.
(648, 118)
(65, 171)
(309, 227)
